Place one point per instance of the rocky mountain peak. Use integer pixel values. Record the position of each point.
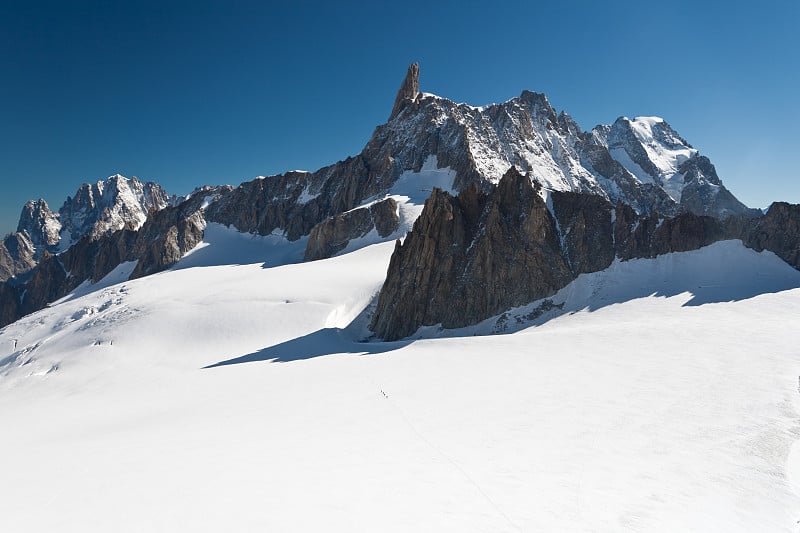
(538, 104)
(408, 90)
(109, 205)
(40, 223)
(655, 156)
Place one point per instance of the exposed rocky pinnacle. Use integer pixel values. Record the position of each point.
(470, 257)
(408, 90)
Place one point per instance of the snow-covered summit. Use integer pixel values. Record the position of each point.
(109, 205)
(651, 151)
(643, 162)
(96, 209)
(40, 223)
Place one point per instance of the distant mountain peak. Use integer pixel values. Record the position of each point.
(109, 205)
(103, 207)
(40, 223)
(429, 141)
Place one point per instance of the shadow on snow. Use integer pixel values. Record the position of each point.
(722, 272)
(326, 341)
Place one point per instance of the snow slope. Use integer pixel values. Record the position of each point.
(220, 396)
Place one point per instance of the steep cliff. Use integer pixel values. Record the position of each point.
(472, 256)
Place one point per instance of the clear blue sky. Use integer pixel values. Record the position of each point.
(192, 93)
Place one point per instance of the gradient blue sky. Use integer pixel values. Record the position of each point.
(192, 93)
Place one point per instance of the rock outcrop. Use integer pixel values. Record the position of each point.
(652, 235)
(333, 235)
(471, 255)
(475, 255)
(585, 224)
(295, 202)
(778, 231)
(48, 282)
(167, 236)
(9, 304)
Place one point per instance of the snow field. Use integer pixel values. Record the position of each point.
(662, 397)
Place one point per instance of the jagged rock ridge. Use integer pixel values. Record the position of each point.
(334, 234)
(340, 202)
(96, 210)
(110, 205)
(472, 256)
(642, 162)
(41, 225)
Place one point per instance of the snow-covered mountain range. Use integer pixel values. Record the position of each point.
(428, 141)
(641, 162)
(572, 331)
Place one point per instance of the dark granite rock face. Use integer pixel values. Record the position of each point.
(471, 255)
(168, 234)
(9, 304)
(112, 251)
(94, 258)
(385, 216)
(685, 232)
(585, 226)
(48, 282)
(296, 201)
(332, 235)
(652, 235)
(778, 231)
